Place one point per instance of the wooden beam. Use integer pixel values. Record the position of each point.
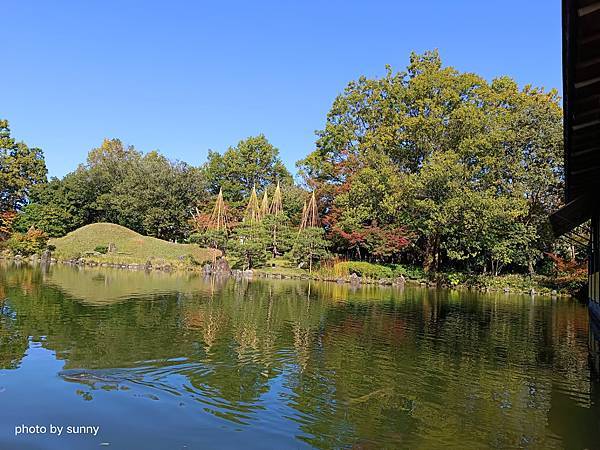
(589, 9)
(573, 214)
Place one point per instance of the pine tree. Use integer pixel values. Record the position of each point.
(310, 246)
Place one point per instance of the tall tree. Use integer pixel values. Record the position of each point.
(21, 168)
(253, 162)
(446, 136)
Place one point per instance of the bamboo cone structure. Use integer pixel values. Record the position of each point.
(276, 209)
(313, 215)
(310, 217)
(218, 218)
(217, 221)
(253, 209)
(303, 215)
(264, 207)
(277, 204)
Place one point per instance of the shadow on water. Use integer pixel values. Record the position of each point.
(290, 363)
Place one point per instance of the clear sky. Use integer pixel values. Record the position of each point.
(184, 77)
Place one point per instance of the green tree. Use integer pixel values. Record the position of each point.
(249, 244)
(156, 197)
(58, 204)
(309, 247)
(147, 193)
(52, 220)
(448, 137)
(280, 234)
(211, 238)
(21, 168)
(253, 162)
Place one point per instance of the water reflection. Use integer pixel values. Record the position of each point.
(293, 363)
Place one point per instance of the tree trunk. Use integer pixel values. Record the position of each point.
(436, 254)
(428, 259)
(530, 267)
(430, 262)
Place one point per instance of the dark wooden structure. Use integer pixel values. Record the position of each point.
(581, 94)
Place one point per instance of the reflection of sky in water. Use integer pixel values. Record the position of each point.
(163, 361)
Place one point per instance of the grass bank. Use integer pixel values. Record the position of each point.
(90, 243)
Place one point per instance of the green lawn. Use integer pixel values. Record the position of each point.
(131, 247)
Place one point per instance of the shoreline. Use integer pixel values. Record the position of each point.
(275, 274)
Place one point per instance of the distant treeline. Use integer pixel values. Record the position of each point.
(429, 166)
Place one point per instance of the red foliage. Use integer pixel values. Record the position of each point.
(6, 220)
(383, 243)
(200, 221)
(568, 266)
(568, 271)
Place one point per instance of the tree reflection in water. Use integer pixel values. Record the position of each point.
(364, 366)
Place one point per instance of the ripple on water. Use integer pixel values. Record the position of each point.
(293, 363)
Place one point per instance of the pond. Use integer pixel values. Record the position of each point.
(173, 361)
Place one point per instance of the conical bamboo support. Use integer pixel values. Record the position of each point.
(277, 204)
(310, 217)
(264, 207)
(218, 218)
(253, 208)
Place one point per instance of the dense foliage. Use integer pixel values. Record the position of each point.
(429, 167)
(253, 162)
(466, 170)
(21, 169)
(29, 243)
(309, 247)
(144, 192)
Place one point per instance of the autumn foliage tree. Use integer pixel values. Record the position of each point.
(465, 170)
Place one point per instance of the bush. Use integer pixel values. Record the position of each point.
(189, 260)
(102, 249)
(453, 278)
(32, 242)
(570, 275)
(412, 272)
(364, 269)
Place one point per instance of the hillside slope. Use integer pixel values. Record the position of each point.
(130, 246)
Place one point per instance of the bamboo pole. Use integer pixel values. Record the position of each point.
(277, 204)
(264, 207)
(253, 208)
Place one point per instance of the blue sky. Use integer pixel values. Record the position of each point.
(184, 77)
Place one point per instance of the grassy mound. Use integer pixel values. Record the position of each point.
(131, 247)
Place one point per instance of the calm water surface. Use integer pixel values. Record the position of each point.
(162, 361)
